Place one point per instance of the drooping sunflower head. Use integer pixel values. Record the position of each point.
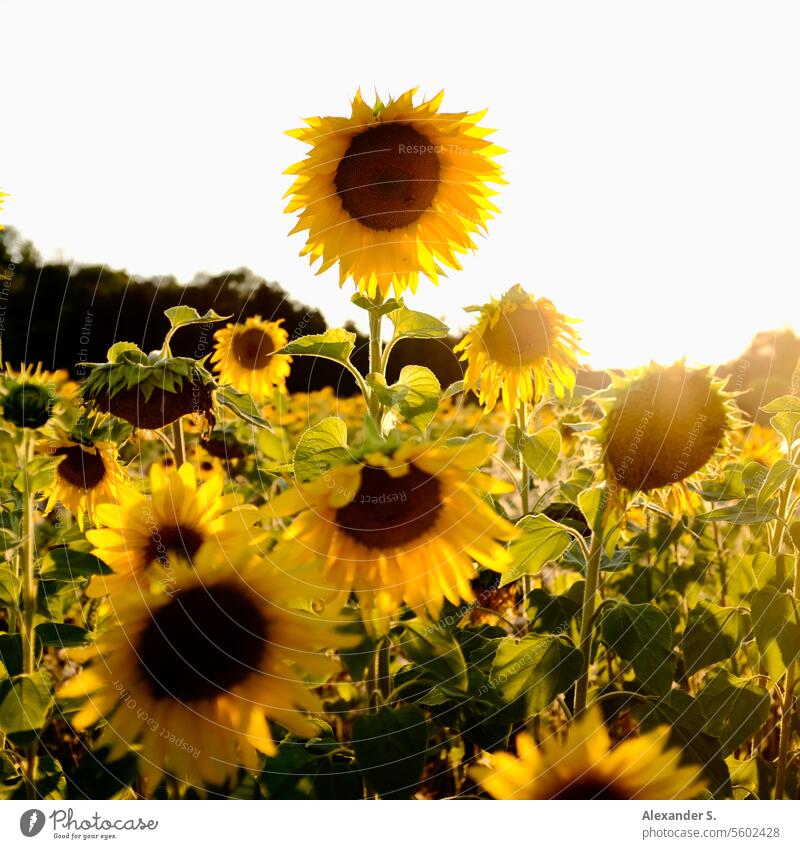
(149, 392)
(519, 348)
(208, 665)
(393, 191)
(408, 526)
(176, 521)
(587, 767)
(87, 474)
(245, 356)
(31, 393)
(662, 425)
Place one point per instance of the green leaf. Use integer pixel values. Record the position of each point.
(437, 654)
(641, 634)
(335, 344)
(10, 655)
(787, 424)
(390, 749)
(320, 448)
(241, 405)
(784, 404)
(779, 474)
(712, 634)
(409, 324)
(25, 703)
(537, 668)
(182, 315)
(384, 307)
(135, 354)
(734, 708)
(745, 512)
(776, 628)
(68, 564)
(540, 541)
(453, 389)
(687, 722)
(553, 613)
(415, 396)
(540, 451)
(62, 635)
(9, 588)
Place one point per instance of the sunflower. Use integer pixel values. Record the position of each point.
(86, 475)
(587, 767)
(520, 346)
(245, 356)
(393, 191)
(191, 678)
(2, 195)
(177, 519)
(402, 527)
(663, 425)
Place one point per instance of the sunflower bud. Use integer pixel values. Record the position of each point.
(28, 405)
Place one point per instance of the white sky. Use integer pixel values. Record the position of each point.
(653, 165)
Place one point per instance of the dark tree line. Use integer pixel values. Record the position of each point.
(64, 316)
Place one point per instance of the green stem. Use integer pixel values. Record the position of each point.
(587, 609)
(178, 443)
(375, 358)
(785, 738)
(29, 592)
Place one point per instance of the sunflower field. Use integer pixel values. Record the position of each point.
(510, 587)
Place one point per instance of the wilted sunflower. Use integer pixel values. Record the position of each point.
(587, 767)
(176, 520)
(663, 424)
(245, 356)
(520, 347)
(86, 475)
(393, 190)
(405, 527)
(191, 677)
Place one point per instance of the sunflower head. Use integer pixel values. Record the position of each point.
(401, 526)
(519, 348)
(149, 392)
(586, 766)
(209, 664)
(393, 190)
(29, 395)
(245, 356)
(663, 425)
(87, 474)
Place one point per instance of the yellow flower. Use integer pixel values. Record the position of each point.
(520, 347)
(245, 356)
(587, 767)
(190, 679)
(393, 190)
(86, 476)
(406, 527)
(2, 195)
(177, 519)
(663, 425)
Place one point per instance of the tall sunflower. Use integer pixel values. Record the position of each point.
(519, 347)
(191, 677)
(402, 527)
(176, 520)
(393, 190)
(86, 475)
(245, 356)
(662, 425)
(587, 767)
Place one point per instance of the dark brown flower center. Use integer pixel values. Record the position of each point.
(203, 642)
(388, 177)
(387, 512)
(172, 541)
(80, 468)
(252, 348)
(590, 787)
(519, 337)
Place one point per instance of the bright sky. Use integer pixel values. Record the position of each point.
(653, 165)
